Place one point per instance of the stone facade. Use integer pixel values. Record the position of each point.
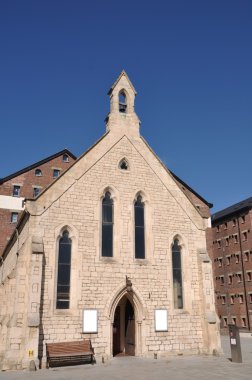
(74, 204)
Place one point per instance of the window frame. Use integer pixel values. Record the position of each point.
(180, 269)
(249, 275)
(12, 217)
(244, 322)
(16, 187)
(228, 260)
(54, 171)
(59, 264)
(36, 191)
(65, 158)
(38, 172)
(239, 277)
(141, 228)
(106, 224)
(244, 235)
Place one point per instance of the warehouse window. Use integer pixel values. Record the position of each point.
(245, 236)
(36, 191)
(177, 275)
(14, 217)
(56, 173)
(65, 158)
(16, 191)
(244, 321)
(38, 172)
(64, 272)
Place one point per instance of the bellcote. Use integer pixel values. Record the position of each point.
(122, 116)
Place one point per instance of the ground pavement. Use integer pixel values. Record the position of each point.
(131, 368)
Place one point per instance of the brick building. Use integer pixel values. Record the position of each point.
(27, 183)
(114, 251)
(231, 251)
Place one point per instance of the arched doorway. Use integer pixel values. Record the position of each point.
(124, 328)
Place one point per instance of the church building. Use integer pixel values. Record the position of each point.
(114, 250)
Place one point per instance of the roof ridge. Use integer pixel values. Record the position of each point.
(38, 163)
(246, 203)
(123, 72)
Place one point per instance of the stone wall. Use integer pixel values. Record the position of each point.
(96, 281)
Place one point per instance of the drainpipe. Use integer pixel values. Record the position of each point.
(17, 234)
(243, 274)
(226, 287)
(1, 265)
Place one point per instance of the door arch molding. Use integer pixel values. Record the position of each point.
(140, 311)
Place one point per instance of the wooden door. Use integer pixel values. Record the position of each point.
(116, 332)
(129, 329)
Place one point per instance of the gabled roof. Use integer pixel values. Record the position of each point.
(70, 166)
(36, 164)
(123, 73)
(210, 205)
(25, 215)
(232, 210)
(183, 184)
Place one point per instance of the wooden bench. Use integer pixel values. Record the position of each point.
(69, 353)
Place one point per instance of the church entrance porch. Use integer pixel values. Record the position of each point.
(124, 328)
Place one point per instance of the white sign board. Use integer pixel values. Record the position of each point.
(12, 203)
(161, 322)
(90, 324)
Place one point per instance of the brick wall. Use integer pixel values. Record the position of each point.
(27, 182)
(231, 248)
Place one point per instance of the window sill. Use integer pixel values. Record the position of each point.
(64, 312)
(181, 311)
(108, 259)
(141, 261)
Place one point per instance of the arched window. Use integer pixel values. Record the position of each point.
(107, 225)
(122, 102)
(64, 271)
(139, 228)
(38, 173)
(177, 275)
(65, 158)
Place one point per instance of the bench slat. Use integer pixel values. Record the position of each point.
(72, 351)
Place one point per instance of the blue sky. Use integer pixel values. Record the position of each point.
(190, 62)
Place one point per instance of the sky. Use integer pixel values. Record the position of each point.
(189, 60)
